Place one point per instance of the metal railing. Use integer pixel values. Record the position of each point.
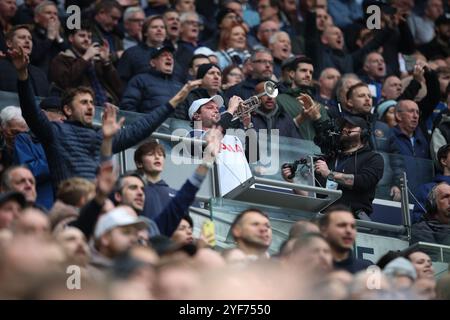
(433, 246)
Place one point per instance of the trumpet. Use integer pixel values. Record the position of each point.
(252, 103)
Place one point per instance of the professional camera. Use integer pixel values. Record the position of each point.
(302, 161)
(328, 138)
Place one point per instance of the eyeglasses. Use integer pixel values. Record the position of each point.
(235, 74)
(263, 6)
(193, 23)
(269, 62)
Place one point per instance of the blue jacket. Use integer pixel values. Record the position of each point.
(148, 91)
(28, 151)
(416, 170)
(72, 149)
(170, 217)
(157, 196)
(422, 194)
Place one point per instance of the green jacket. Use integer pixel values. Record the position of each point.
(290, 104)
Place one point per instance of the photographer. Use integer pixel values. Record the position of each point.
(353, 168)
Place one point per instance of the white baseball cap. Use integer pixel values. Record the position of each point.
(197, 104)
(118, 217)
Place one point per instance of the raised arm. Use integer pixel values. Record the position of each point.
(36, 119)
(144, 127)
(171, 216)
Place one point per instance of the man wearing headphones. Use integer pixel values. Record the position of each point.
(443, 158)
(355, 170)
(434, 226)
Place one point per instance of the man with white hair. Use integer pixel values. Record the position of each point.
(133, 20)
(11, 124)
(280, 46)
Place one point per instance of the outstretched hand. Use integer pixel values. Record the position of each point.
(105, 180)
(183, 93)
(110, 126)
(419, 71)
(19, 59)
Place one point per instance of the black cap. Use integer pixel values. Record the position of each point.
(51, 103)
(356, 121)
(12, 195)
(157, 52)
(444, 19)
(204, 68)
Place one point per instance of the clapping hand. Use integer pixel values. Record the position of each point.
(311, 109)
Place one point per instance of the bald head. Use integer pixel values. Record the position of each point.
(333, 37)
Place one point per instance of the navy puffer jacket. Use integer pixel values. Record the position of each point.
(72, 149)
(147, 91)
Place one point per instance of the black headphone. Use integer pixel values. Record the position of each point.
(365, 135)
(430, 204)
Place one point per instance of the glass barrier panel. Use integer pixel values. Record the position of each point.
(439, 254)
(280, 150)
(10, 99)
(224, 211)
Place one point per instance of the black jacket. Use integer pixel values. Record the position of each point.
(182, 110)
(44, 49)
(325, 57)
(244, 89)
(367, 167)
(8, 78)
(430, 230)
(352, 265)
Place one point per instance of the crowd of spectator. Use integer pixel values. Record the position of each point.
(385, 91)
